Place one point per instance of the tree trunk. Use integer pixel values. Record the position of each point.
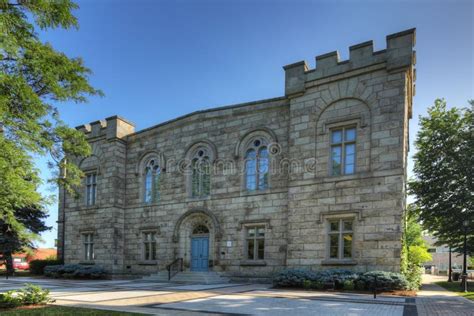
(9, 262)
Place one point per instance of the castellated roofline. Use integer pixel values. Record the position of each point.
(112, 127)
(399, 54)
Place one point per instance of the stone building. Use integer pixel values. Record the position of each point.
(313, 179)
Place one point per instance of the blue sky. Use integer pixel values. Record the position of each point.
(156, 60)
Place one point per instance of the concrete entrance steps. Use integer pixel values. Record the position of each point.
(188, 277)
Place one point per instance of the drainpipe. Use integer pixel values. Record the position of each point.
(63, 221)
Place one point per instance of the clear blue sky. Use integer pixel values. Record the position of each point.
(156, 60)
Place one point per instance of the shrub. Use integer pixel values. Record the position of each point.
(414, 277)
(307, 284)
(10, 299)
(337, 277)
(318, 285)
(30, 295)
(385, 280)
(294, 278)
(341, 279)
(37, 266)
(348, 285)
(76, 271)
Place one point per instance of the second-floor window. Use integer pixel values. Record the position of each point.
(152, 182)
(343, 151)
(91, 189)
(257, 166)
(201, 174)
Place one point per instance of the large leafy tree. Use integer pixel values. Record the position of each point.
(34, 80)
(443, 186)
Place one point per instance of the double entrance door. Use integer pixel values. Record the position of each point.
(200, 253)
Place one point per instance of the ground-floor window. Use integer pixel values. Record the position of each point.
(340, 239)
(149, 246)
(255, 242)
(88, 239)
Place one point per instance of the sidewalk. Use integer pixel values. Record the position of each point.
(433, 300)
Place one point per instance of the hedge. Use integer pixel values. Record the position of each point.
(75, 271)
(341, 280)
(37, 266)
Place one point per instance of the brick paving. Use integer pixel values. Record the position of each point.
(243, 299)
(433, 300)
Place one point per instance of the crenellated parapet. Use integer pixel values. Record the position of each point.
(111, 128)
(399, 54)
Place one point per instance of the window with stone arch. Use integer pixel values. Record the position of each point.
(201, 173)
(152, 174)
(257, 164)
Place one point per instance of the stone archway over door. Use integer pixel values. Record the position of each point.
(196, 235)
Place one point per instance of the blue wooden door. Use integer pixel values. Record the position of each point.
(199, 253)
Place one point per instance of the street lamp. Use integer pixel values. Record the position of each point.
(464, 272)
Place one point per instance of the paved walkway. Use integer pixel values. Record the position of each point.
(433, 300)
(222, 299)
(242, 299)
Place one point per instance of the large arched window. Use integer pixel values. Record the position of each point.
(201, 173)
(152, 174)
(256, 165)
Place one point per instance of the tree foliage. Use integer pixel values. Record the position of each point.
(11, 241)
(34, 80)
(443, 187)
(414, 248)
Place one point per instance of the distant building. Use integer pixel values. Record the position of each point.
(312, 179)
(21, 260)
(440, 255)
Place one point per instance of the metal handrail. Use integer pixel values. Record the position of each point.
(169, 267)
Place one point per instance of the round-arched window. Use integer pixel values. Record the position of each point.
(257, 165)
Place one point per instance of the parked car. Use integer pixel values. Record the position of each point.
(20, 264)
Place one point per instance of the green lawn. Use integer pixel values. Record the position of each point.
(456, 287)
(61, 310)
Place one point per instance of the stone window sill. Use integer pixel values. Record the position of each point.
(148, 263)
(334, 262)
(147, 205)
(342, 177)
(198, 198)
(250, 263)
(87, 263)
(89, 207)
(246, 192)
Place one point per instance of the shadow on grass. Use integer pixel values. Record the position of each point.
(456, 287)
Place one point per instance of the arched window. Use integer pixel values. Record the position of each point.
(152, 174)
(201, 173)
(256, 165)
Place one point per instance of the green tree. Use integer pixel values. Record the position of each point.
(414, 249)
(34, 80)
(444, 162)
(32, 219)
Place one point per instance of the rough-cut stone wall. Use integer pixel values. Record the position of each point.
(372, 91)
(377, 99)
